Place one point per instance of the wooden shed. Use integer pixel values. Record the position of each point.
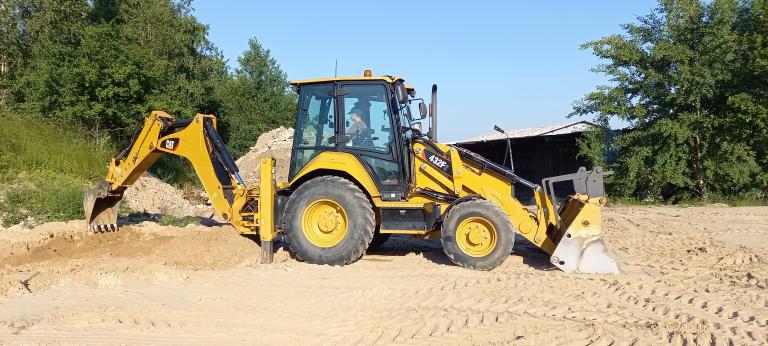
(538, 152)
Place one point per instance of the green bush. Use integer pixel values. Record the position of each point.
(176, 171)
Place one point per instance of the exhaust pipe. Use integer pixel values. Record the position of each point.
(433, 114)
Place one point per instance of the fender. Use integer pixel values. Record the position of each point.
(340, 162)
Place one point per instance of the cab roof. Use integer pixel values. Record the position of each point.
(387, 79)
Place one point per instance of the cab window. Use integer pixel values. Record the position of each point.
(367, 117)
(315, 125)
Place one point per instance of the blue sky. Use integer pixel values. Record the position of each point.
(512, 64)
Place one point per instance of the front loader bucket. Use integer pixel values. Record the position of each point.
(101, 207)
(579, 234)
(581, 247)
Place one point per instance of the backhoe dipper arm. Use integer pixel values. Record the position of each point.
(195, 139)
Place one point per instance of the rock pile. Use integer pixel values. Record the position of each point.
(276, 143)
(154, 196)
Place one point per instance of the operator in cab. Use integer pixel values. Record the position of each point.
(358, 124)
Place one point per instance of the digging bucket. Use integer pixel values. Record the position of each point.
(101, 205)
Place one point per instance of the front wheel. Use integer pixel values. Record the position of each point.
(477, 234)
(328, 220)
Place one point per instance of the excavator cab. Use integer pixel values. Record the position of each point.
(361, 169)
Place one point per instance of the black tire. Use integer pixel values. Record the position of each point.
(482, 210)
(378, 240)
(359, 214)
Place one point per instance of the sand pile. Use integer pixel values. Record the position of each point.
(152, 195)
(276, 143)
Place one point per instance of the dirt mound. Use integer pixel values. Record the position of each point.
(276, 143)
(152, 195)
(40, 257)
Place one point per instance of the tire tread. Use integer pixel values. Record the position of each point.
(470, 262)
(359, 199)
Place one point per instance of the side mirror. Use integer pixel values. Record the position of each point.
(422, 110)
(402, 93)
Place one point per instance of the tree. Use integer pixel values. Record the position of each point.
(104, 64)
(12, 52)
(43, 37)
(680, 78)
(256, 99)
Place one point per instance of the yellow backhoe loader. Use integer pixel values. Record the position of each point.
(361, 170)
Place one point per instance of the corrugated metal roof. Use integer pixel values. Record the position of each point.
(549, 130)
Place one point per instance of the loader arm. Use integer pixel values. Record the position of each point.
(249, 210)
(570, 233)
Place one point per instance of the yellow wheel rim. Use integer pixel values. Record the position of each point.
(324, 223)
(476, 237)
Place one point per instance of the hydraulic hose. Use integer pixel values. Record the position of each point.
(221, 150)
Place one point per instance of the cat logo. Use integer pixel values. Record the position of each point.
(170, 143)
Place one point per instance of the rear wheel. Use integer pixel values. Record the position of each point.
(477, 234)
(328, 220)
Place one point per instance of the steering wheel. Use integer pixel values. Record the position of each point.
(361, 136)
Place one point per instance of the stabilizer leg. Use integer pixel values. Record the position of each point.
(266, 251)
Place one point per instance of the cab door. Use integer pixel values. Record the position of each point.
(373, 135)
(316, 123)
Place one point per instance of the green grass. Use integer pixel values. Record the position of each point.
(163, 219)
(167, 220)
(746, 201)
(44, 168)
(176, 171)
(630, 201)
(733, 201)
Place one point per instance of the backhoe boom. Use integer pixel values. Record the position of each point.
(198, 141)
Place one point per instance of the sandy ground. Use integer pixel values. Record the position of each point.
(691, 276)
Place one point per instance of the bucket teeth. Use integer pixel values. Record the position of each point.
(99, 228)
